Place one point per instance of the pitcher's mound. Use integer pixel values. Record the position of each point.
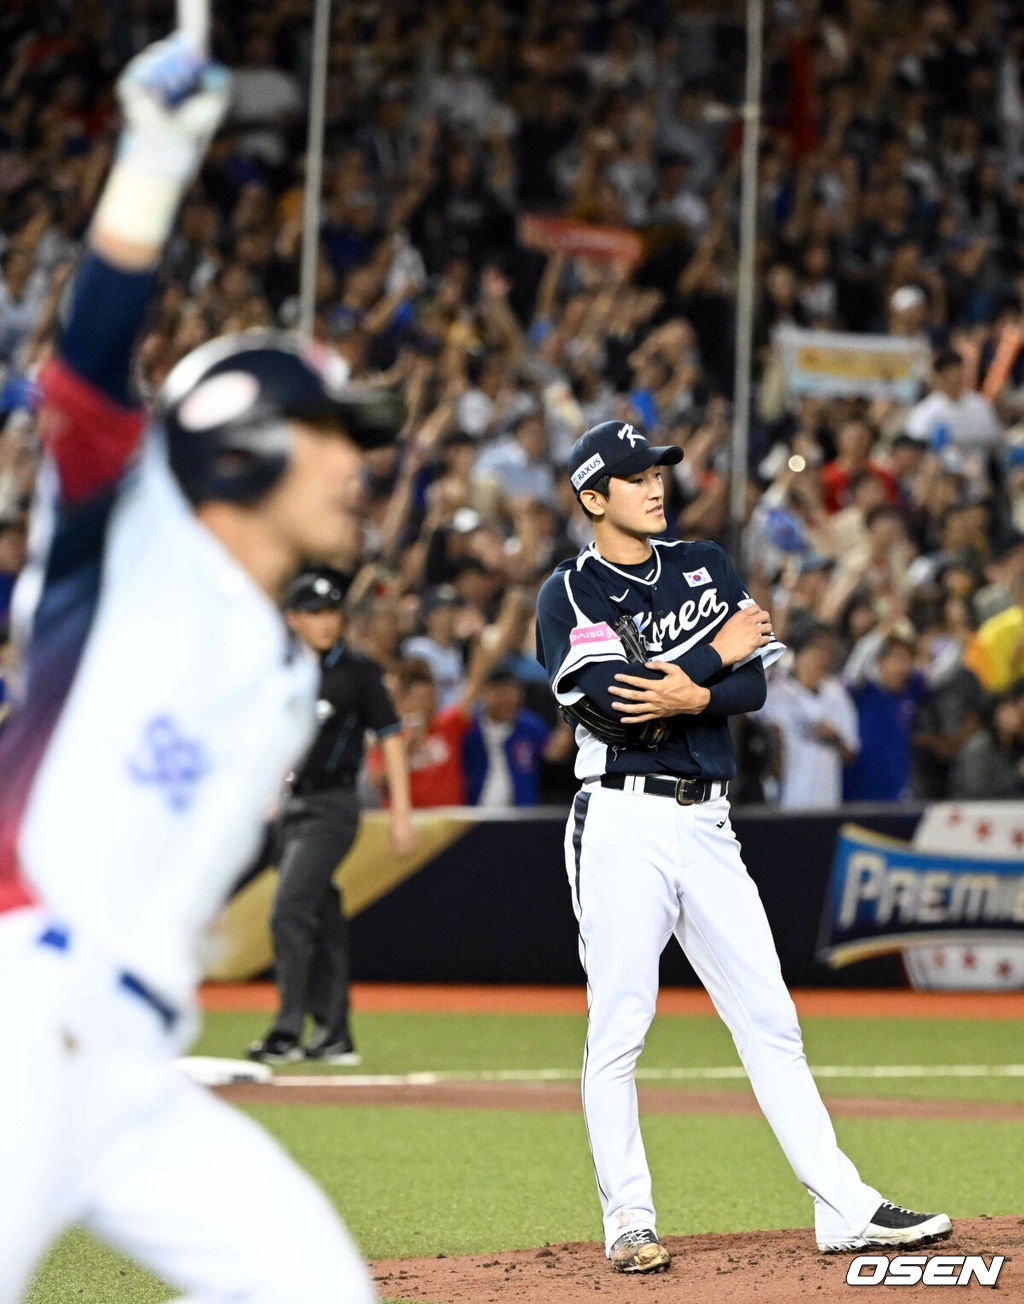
(740, 1268)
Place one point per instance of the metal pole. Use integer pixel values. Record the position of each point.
(745, 290)
(314, 167)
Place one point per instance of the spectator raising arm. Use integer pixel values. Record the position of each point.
(495, 641)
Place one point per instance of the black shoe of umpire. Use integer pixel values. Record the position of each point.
(277, 1048)
(341, 1053)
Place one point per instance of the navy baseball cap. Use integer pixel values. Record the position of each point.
(312, 591)
(615, 448)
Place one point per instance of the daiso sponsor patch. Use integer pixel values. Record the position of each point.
(591, 634)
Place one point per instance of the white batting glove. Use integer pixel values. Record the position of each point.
(173, 99)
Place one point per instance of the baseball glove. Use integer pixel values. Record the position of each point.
(613, 730)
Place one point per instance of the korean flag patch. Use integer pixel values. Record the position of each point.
(698, 577)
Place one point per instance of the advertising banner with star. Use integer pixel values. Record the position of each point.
(985, 828)
(951, 902)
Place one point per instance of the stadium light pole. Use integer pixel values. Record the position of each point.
(314, 167)
(740, 441)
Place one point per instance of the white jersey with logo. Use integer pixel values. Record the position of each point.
(165, 702)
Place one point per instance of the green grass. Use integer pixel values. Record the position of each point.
(419, 1182)
(78, 1271)
(81, 1272)
(413, 1181)
(529, 1179)
(407, 1043)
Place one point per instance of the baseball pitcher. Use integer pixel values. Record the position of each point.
(650, 644)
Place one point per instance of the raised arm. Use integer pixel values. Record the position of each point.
(172, 99)
(494, 643)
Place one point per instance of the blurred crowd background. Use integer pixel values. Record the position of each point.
(886, 539)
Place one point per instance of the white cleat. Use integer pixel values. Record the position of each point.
(891, 1224)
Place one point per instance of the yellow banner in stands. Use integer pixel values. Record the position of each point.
(238, 944)
(837, 364)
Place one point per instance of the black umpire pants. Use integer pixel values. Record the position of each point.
(308, 924)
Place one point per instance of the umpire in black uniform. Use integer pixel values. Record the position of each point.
(319, 822)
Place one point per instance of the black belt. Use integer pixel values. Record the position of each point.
(60, 940)
(687, 792)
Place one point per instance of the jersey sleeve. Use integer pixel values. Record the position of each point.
(573, 632)
(90, 425)
(738, 598)
(739, 690)
(88, 438)
(378, 709)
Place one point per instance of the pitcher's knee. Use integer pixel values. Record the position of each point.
(771, 1027)
(619, 1040)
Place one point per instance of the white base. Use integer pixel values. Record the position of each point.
(211, 1072)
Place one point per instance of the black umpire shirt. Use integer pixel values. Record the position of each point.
(352, 699)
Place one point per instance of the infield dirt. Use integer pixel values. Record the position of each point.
(565, 1096)
(773, 1267)
(769, 1267)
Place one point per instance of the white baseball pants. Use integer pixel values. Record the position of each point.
(99, 1128)
(641, 869)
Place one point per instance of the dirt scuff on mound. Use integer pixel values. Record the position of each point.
(773, 1267)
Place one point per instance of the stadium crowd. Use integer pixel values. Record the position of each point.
(887, 539)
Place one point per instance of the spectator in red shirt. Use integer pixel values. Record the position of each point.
(433, 738)
(854, 442)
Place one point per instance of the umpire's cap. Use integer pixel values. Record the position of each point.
(224, 411)
(312, 591)
(615, 448)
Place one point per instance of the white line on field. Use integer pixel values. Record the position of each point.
(722, 1074)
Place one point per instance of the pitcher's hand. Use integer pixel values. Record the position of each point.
(657, 699)
(744, 632)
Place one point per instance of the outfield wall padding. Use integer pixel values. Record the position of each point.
(493, 905)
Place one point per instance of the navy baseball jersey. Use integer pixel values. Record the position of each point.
(679, 598)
